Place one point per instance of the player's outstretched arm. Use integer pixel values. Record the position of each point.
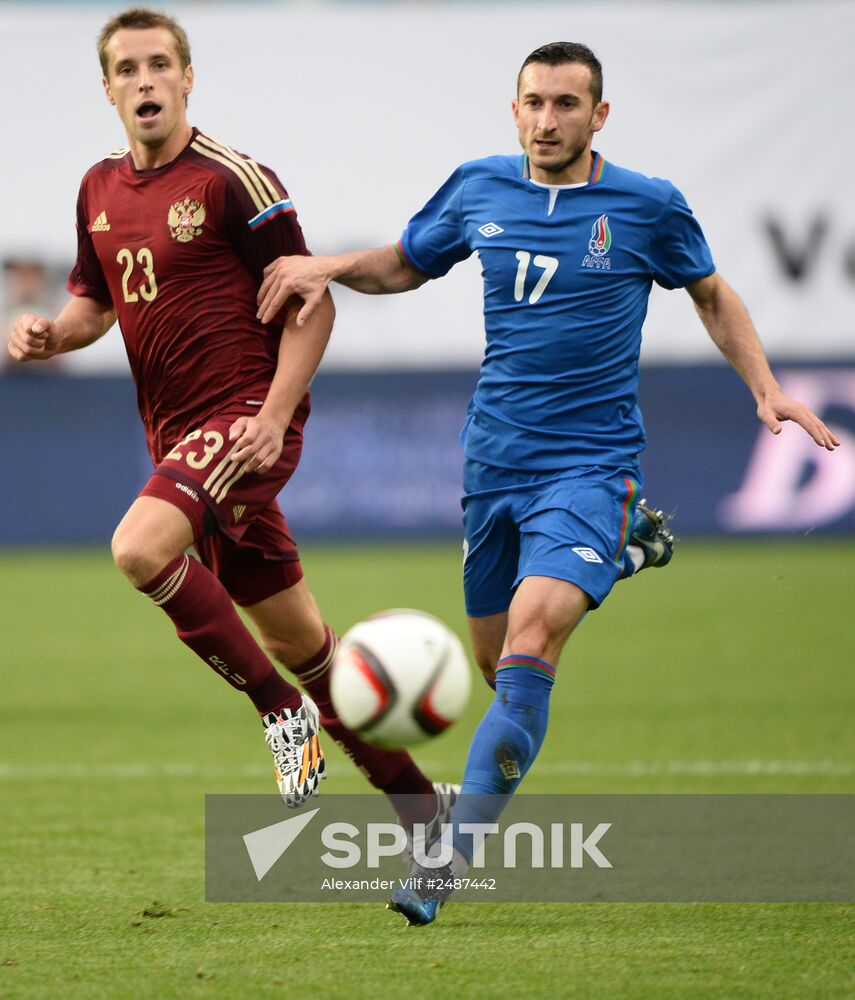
(729, 325)
(375, 272)
(258, 440)
(81, 322)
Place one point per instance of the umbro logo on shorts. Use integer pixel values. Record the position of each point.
(587, 554)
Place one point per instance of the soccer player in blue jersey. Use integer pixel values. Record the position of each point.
(570, 246)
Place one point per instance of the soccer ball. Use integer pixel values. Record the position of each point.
(399, 678)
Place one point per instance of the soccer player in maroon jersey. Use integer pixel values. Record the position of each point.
(174, 233)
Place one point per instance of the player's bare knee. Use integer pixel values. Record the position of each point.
(131, 561)
(135, 559)
(538, 635)
(533, 640)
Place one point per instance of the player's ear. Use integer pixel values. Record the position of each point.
(601, 113)
(106, 84)
(515, 108)
(189, 79)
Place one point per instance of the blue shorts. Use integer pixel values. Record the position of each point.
(572, 526)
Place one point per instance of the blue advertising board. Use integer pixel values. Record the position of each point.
(382, 460)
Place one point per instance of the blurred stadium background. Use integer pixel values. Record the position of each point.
(744, 105)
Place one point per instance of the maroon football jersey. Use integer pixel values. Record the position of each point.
(179, 251)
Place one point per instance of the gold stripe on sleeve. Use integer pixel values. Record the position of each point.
(249, 164)
(259, 202)
(237, 163)
(265, 180)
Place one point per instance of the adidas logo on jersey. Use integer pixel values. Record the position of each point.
(100, 224)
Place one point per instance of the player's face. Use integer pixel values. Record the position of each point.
(557, 118)
(149, 87)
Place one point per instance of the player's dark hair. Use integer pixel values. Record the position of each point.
(557, 53)
(140, 18)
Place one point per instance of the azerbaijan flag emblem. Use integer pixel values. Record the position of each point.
(601, 237)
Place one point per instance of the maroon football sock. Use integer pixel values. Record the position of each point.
(392, 771)
(412, 796)
(207, 622)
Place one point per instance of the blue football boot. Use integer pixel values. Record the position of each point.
(419, 898)
(650, 541)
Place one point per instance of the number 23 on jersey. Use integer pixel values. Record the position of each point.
(146, 289)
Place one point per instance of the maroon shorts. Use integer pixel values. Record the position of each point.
(239, 531)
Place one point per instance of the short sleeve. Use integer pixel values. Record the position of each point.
(435, 239)
(261, 220)
(679, 253)
(87, 278)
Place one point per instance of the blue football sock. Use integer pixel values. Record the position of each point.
(505, 743)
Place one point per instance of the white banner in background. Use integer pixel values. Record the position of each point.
(364, 109)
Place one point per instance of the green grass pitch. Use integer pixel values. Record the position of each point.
(729, 671)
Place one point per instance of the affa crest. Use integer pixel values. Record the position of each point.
(601, 237)
(185, 220)
(599, 245)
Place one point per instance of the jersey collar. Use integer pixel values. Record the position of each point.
(154, 171)
(596, 174)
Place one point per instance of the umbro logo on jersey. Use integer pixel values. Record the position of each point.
(587, 554)
(100, 224)
(490, 229)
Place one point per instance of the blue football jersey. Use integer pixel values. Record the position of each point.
(567, 275)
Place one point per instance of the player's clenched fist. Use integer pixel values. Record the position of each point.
(34, 338)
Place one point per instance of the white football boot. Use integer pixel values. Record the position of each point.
(292, 736)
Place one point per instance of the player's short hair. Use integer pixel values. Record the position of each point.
(557, 53)
(141, 18)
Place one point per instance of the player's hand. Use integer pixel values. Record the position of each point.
(34, 338)
(777, 407)
(306, 277)
(258, 443)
